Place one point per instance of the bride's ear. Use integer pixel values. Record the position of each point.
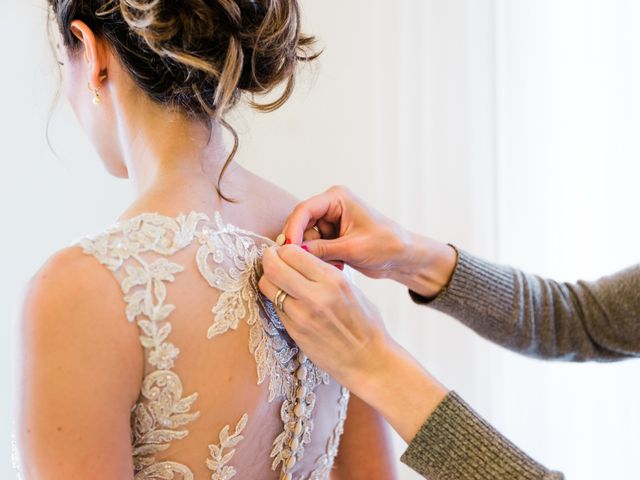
(94, 52)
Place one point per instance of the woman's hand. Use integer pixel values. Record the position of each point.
(343, 333)
(354, 233)
(331, 320)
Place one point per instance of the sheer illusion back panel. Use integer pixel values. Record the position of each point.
(225, 392)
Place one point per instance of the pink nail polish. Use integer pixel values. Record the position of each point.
(305, 248)
(340, 266)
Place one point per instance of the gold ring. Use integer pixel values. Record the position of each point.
(279, 299)
(276, 298)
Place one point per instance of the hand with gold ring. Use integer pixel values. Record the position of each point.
(343, 333)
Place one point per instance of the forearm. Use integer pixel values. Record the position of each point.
(446, 438)
(523, 312)
(398, 387)
(544, 318)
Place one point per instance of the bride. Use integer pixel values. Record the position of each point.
(148, 351)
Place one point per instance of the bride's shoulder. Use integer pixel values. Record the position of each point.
(71, 305)
(67, 274)
(80, 354)
(271, 205)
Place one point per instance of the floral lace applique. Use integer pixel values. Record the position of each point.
(274, 352)
(157, 419)
(325, 462)
(219, 459)
(156, 422)
(230, 261)
(224, 245)
(165, 471)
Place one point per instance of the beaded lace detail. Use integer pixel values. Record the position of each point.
(219, 459)
(229, 259)
(325, 462)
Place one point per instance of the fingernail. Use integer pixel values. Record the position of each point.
(305, 248)
(340, 266)
(281, 239)
(287, 242)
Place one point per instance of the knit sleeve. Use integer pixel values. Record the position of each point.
(456, 443)
(543, 318)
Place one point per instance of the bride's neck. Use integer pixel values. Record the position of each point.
(164, 150)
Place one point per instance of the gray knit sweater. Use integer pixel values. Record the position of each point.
(527, 314)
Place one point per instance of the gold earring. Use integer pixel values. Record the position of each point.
(96, 91)
(96, 94)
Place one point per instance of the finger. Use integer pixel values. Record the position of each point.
(322, 229)
(268, 288)
(308, 213)
(291, 306)
(311, 234)
(278, 272)
(312, 268)
(338, 250)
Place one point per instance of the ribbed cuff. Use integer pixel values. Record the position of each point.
(479, 291)
(456, 443)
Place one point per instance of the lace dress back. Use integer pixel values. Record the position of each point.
(226, 393)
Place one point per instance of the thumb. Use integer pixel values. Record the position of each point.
(330, 250)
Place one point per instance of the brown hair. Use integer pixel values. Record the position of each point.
(199, 56)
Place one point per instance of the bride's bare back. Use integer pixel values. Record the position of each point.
(150, 344)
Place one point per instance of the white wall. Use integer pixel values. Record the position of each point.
(505, 126)
(569, 131)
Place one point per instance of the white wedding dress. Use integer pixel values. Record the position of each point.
(225, 393)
